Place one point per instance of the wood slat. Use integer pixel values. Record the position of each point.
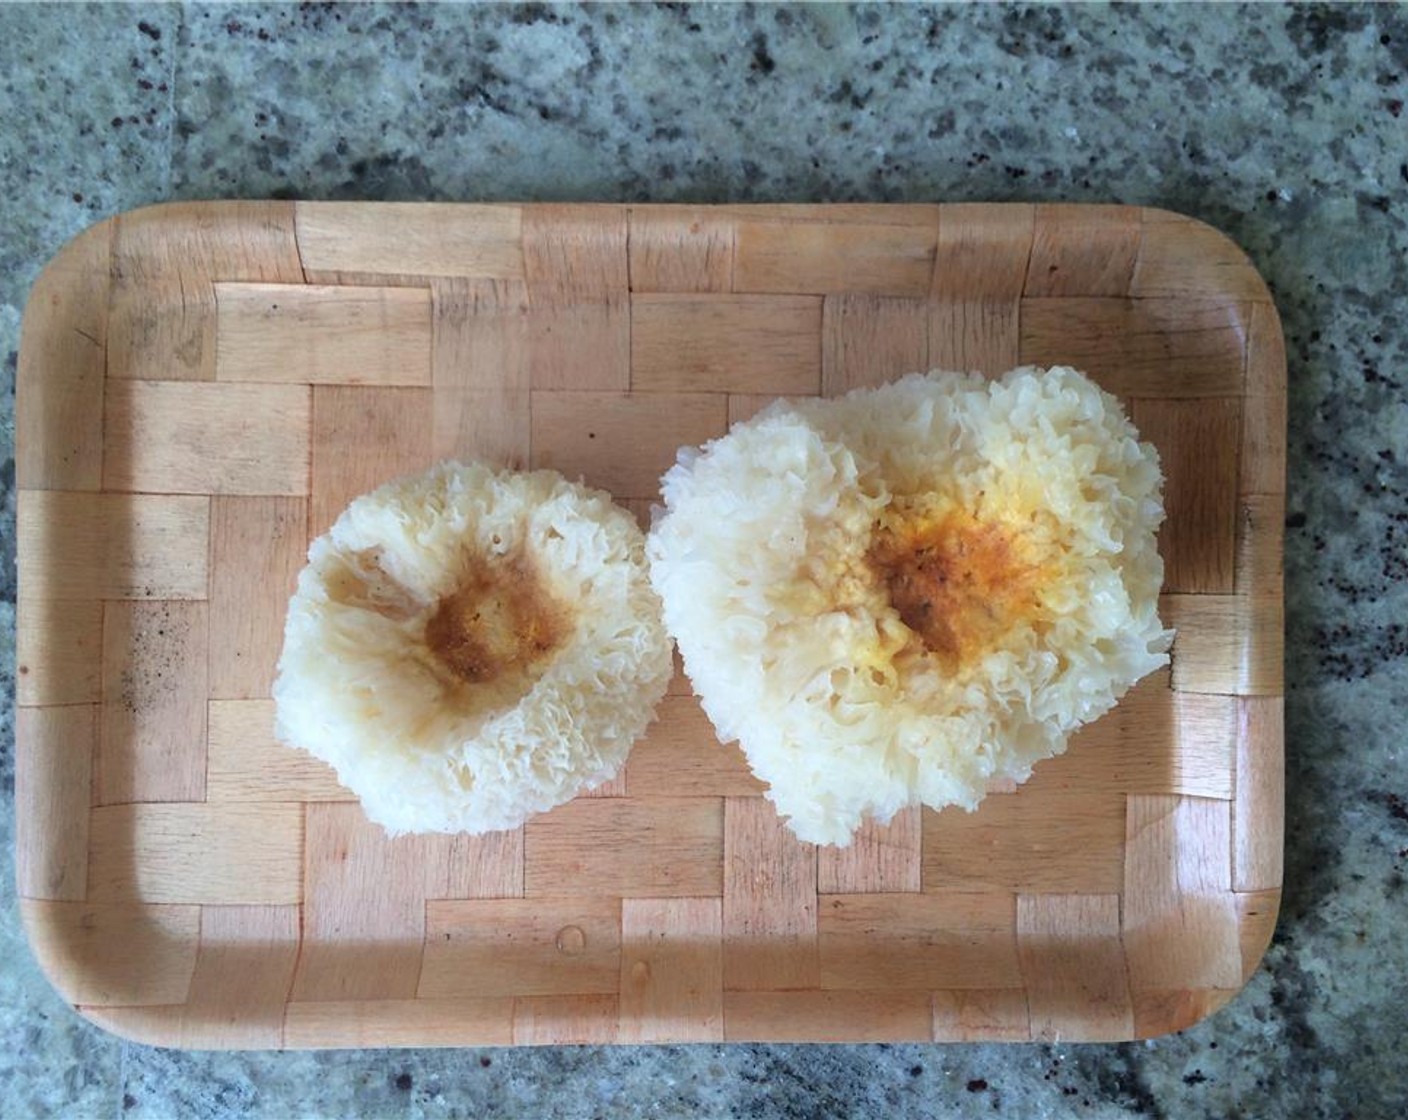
(840, 256)
(244, 966)
(481, 372)
(165, 437)
(165, 263)
(1151, 348)
(826, 1016)
(970, 335)
(578, 278)
(1226, 644)
(257, 547)
(1263, 435)
(1256, 913)
(769, 902)
(362, 437)
(1033, 840)
(58, 652)
(671, 970)
(869, 340)
(60, 368)
(120, 954)
(680, 756)
(364, 922)
(927, 942)
(183, 853)
(677, 249)
(83, 547)
(386, 1023)
(1197, 445)
(426, 239)
(1083, 250)
(626, 846)
(726, 343)
(322, 334)
(153, 737)
(244, 762)
(589, 1020)
(1155, 741)
(53, 781)
(881, 859)
(1180, 920)
(1073, 966)
(997, 1015)
(983, 252)
(619, 442)
(1258, 841)
(1183, 257)
(564, 945)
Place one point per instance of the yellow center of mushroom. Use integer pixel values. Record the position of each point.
(501, 621)
(959, 583)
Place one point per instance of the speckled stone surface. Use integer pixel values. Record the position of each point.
(1284, 127)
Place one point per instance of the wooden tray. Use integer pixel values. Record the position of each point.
(202, 387)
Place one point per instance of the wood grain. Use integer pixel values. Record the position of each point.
(203, 387)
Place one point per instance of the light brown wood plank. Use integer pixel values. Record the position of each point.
(1073, 967)
(364, 906)
(489, 865)
(377, 1023)
(973, 335)
(121, 954)
(1197, 445)
(1152, 348)
(1182, 257)
(983, 252)
(1031, 840)
(1227, 644)
(165, 264)
(1263, 435)
(243, 970)
(481, 372)
(362, 437)
(882, 858)
(244, 762)
(578, 278)
(53, 782)
(679, 249)
(680, 756)
(424, 239)
(153, 735)
(58, 652)
(112, 546)
(822, 1016)
(726, 343)
(182, 853)
(59, 374)
(671, 970)
(1256, 914)
(626, 846)
(817, 258)
(257, 547)
(908, 942)
(562, 945)
(1180, 920)
(1155, 741)
(996, 1015)
(622, 443)
(869, 340)
(1258, 834)
(165, 437)
(321, 334)
(589, 1020)
(769, 915)
(1083, 250)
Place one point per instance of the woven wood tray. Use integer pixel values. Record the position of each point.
(203, 387)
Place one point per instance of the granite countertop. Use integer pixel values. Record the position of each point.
(1284, 127)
